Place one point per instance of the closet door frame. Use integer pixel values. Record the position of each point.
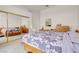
(7, 15)
(7, 28)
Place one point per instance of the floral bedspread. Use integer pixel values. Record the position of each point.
(50, 42)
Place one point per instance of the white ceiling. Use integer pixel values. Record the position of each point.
(33, 7)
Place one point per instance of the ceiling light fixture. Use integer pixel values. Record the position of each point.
(46, 5)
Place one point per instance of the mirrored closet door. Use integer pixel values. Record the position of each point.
(14, 23)
(13, 26)
(3, 27)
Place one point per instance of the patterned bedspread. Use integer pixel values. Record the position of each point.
(51, 42)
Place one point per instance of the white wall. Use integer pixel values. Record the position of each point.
(35, 19)
(78, 17)
(27, 22)
(66, 15)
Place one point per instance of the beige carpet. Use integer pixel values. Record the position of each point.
(12, 47)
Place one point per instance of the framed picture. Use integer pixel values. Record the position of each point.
(48, 22)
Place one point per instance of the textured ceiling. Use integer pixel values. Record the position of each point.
(34, 7)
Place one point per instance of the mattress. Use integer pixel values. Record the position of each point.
(51, 42)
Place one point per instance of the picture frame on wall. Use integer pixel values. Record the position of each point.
(48, 22)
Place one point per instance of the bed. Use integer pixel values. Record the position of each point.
(51, 42)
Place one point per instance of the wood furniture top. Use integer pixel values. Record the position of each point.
(31, 49)
(62, 29)
(58, 29)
